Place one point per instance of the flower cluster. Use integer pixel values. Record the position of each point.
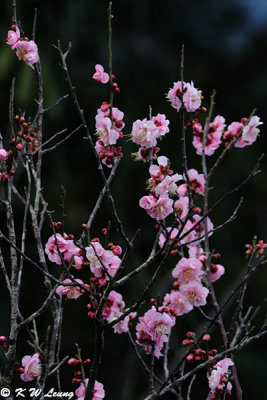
(146, 132)
(61, 247)
(214, 134)
(103, 263)
(218, 378)
(109, 130)
(26, 49)
(243, 133)
(186, 95)
(114, 308)
(189, 291)
(162, 183)
(153, 329)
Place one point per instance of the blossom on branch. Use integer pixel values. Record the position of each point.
(32, 367)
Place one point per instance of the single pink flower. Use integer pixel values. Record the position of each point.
(162, 124)
(32, 367)
(195, 293)
(27, 51)
(100, 75)
(13, 36)
(177, 302)
(106, 134)
(144, 133)
(187, 270)
(55, 243)
(192, 98)
(157, 208)
(181, 207)
(72, 292)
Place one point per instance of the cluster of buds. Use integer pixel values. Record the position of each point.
(78, 362)
(260, 246)
(57, 225)
(198, 354)
(25, 136)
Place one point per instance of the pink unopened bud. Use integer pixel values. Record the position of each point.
(73, 361)
(200, 352)
(116, 250)
(19, 146)
(91, 314)
(153, 301)
(104, 231)
(3, 340)
(95, 240)
(197, 210)
(190, 334)
(198, 358)
(87, 361)
(76, 381)
(206, 337)
(176, 285)
(190, 357)
(187, 342)
(102, 282)
(77, 374)
(20, 370)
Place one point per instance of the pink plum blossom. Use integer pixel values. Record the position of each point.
(72, 292)
(213, 139)
(195, 293)
(101, 260)
(218, 376)
(113, 309)
(184, 93)
(99, 392)
(55, 243)
(168, 185)
(106, 134)
(251, 131)
(187, 270)
(192, 98)
(157, 208)
(196, 183)
(3, 154)
(234, 130)
(177, 302)
(13, 36)
(162, 124)
(152, 330)
(181, 207)
(144, 133)
(32, 367)
(162, 237)
(217, 270)
(27, 51)
(100, 75)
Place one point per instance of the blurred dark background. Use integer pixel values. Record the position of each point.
(225, 49)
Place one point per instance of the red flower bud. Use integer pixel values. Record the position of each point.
(73, 361)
